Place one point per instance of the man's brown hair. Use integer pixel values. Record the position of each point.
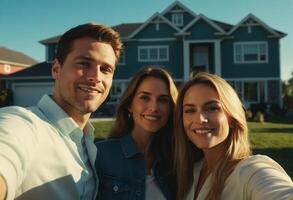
(92, 30)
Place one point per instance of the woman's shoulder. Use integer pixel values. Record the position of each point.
(258, 161)
(259, 165)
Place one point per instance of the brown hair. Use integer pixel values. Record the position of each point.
(99, 32)
(162, 143)
(186, 153)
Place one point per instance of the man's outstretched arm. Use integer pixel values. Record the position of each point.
(3, 188)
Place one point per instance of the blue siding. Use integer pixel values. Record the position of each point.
(201, 30)
(257, 33)
(165, 31)
(174, 65)
(232, 70)
(51, 51)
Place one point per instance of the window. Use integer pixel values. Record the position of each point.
(153, 53)
(177, 19)
(122, 59)
(250, 52)
(116, 91)
(7, 68)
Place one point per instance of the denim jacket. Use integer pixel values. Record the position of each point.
(121, 170)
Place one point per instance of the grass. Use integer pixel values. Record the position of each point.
(272, 139)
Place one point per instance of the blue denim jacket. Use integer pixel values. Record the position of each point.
(121, 170)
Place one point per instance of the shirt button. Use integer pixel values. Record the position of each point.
(138, 192)
(115, 188)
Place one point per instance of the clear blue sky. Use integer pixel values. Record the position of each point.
(23, 23)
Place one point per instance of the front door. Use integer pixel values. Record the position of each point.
(201, 58)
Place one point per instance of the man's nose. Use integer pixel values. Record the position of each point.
(94, 74)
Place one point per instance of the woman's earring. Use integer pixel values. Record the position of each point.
(129, 115)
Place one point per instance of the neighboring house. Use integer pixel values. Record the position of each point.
(246, 54)
(13, 61)
(10, 62)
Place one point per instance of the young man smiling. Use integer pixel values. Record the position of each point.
(47, 151)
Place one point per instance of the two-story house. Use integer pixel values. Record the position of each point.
(246, 54)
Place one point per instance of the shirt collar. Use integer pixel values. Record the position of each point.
(59, 118)
(128, 146)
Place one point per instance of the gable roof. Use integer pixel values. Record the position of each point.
(154, 16)
(178, 3)
(210, 22)
(267, 27)
(126, 29)
(40, 70)
(15, 57)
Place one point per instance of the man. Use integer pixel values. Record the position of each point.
(47, 151)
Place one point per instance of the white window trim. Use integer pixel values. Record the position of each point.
(148, 54)
(175, 22)
(242, 54)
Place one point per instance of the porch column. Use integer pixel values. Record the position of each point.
(217, 51)
(186, 60)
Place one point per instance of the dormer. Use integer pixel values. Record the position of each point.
(178, 14)
(251, 24)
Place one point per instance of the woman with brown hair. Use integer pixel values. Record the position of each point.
(136, 161)
(212, 153)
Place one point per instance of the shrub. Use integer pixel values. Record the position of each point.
(249, 114)
(259, 117)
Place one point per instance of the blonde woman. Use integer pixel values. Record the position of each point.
(212, 152)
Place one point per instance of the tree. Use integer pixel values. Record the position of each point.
(288, 87)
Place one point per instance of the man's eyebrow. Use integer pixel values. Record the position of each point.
(84, 58)
(88, 58)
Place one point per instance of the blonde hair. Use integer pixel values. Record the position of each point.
(186, 153)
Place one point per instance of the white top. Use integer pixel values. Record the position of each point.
(153, 191)
(255, 178)
(45, 155)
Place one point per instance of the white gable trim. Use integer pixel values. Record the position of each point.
(178, 3)
(150, 21)
(201, 16)
(251, 16)
(14, 63)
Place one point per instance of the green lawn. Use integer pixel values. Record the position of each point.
(272, 139)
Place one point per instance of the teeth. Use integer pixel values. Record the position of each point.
(203, 131)
(86, 89)
(152, 118)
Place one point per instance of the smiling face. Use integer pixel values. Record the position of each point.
(204, 119)
(150, 106)
(83, 82)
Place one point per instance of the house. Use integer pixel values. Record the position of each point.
(10, 62)
(246, 54)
